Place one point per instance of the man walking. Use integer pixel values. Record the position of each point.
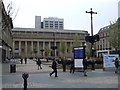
(39, 63)
(85, 66)
(72, 69)
(64, 63)
(116, 65)
(54, 67)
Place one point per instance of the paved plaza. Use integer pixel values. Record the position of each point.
(41, 79)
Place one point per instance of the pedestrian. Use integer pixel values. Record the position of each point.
(64, 63)
(54, 67)
(85, 63)
(25, 60)
(92, 63)
(72, 68)
(116, 65)
(39, 63)
(21, 61)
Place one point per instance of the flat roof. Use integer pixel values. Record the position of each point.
(50, 30)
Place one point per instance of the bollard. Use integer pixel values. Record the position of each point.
(25, 76)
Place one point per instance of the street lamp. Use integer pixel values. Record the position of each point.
(91, 38)
(91, 13)
(42, 50)
(54, 47)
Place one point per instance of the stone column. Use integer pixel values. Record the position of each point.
(43, 48)
(26, 55)
(13, 48)
(49, 48)
(71, 47)
(38, 49)
(19, 48)
(32, 47)
(55, 49)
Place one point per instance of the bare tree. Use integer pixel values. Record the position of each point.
(11, 13)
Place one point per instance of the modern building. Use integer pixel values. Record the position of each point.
(29, 42)
(49, 23)
(38, 22)
(53, 23)
(5, 34)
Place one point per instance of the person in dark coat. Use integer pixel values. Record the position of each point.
(54, 67)
(72, 68)
(21, 61)
(85, 63)
(116, 65)
(25, 60)
(64, 63)
(39, 63)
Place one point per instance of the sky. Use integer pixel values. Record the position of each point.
(72, 11)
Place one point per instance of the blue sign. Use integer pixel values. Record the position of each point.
(78, 53)
(78, 57)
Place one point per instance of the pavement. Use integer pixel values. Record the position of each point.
(41, 79)
(30, 67)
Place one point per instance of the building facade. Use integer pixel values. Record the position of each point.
(5, 34)
(53, 23)
(103, 43)
(49, 23)
(29, 42)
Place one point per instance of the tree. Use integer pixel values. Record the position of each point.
(62, 47)
(114, 35)
(76, 41)
(47, 50)
(11, 12)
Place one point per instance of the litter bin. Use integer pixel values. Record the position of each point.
(12, 68)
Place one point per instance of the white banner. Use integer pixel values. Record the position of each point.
(108, 60)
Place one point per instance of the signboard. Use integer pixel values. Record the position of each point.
(78, 57)
(108, 60)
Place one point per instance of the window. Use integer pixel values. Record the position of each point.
(51, 22)
(60, 22)
(46, 22)
(51, 25)
(56, 27)
(56, 22)
(46, 26)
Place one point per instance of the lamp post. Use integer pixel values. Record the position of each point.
(91, 13)
(42, 50)
(54, 47)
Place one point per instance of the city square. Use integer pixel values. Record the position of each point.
(52, 46)
(41, 79)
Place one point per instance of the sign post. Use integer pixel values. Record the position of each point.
(79, 55)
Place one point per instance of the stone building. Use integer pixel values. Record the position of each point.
(103, 43)
(29, 42)
(5, 33)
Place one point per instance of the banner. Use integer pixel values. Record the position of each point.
(78, 57)
(108, 60)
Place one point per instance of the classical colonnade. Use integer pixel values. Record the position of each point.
(33, 48)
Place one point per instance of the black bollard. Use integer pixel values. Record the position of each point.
(25, 76)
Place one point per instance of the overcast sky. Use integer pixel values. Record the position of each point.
(72, 11)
